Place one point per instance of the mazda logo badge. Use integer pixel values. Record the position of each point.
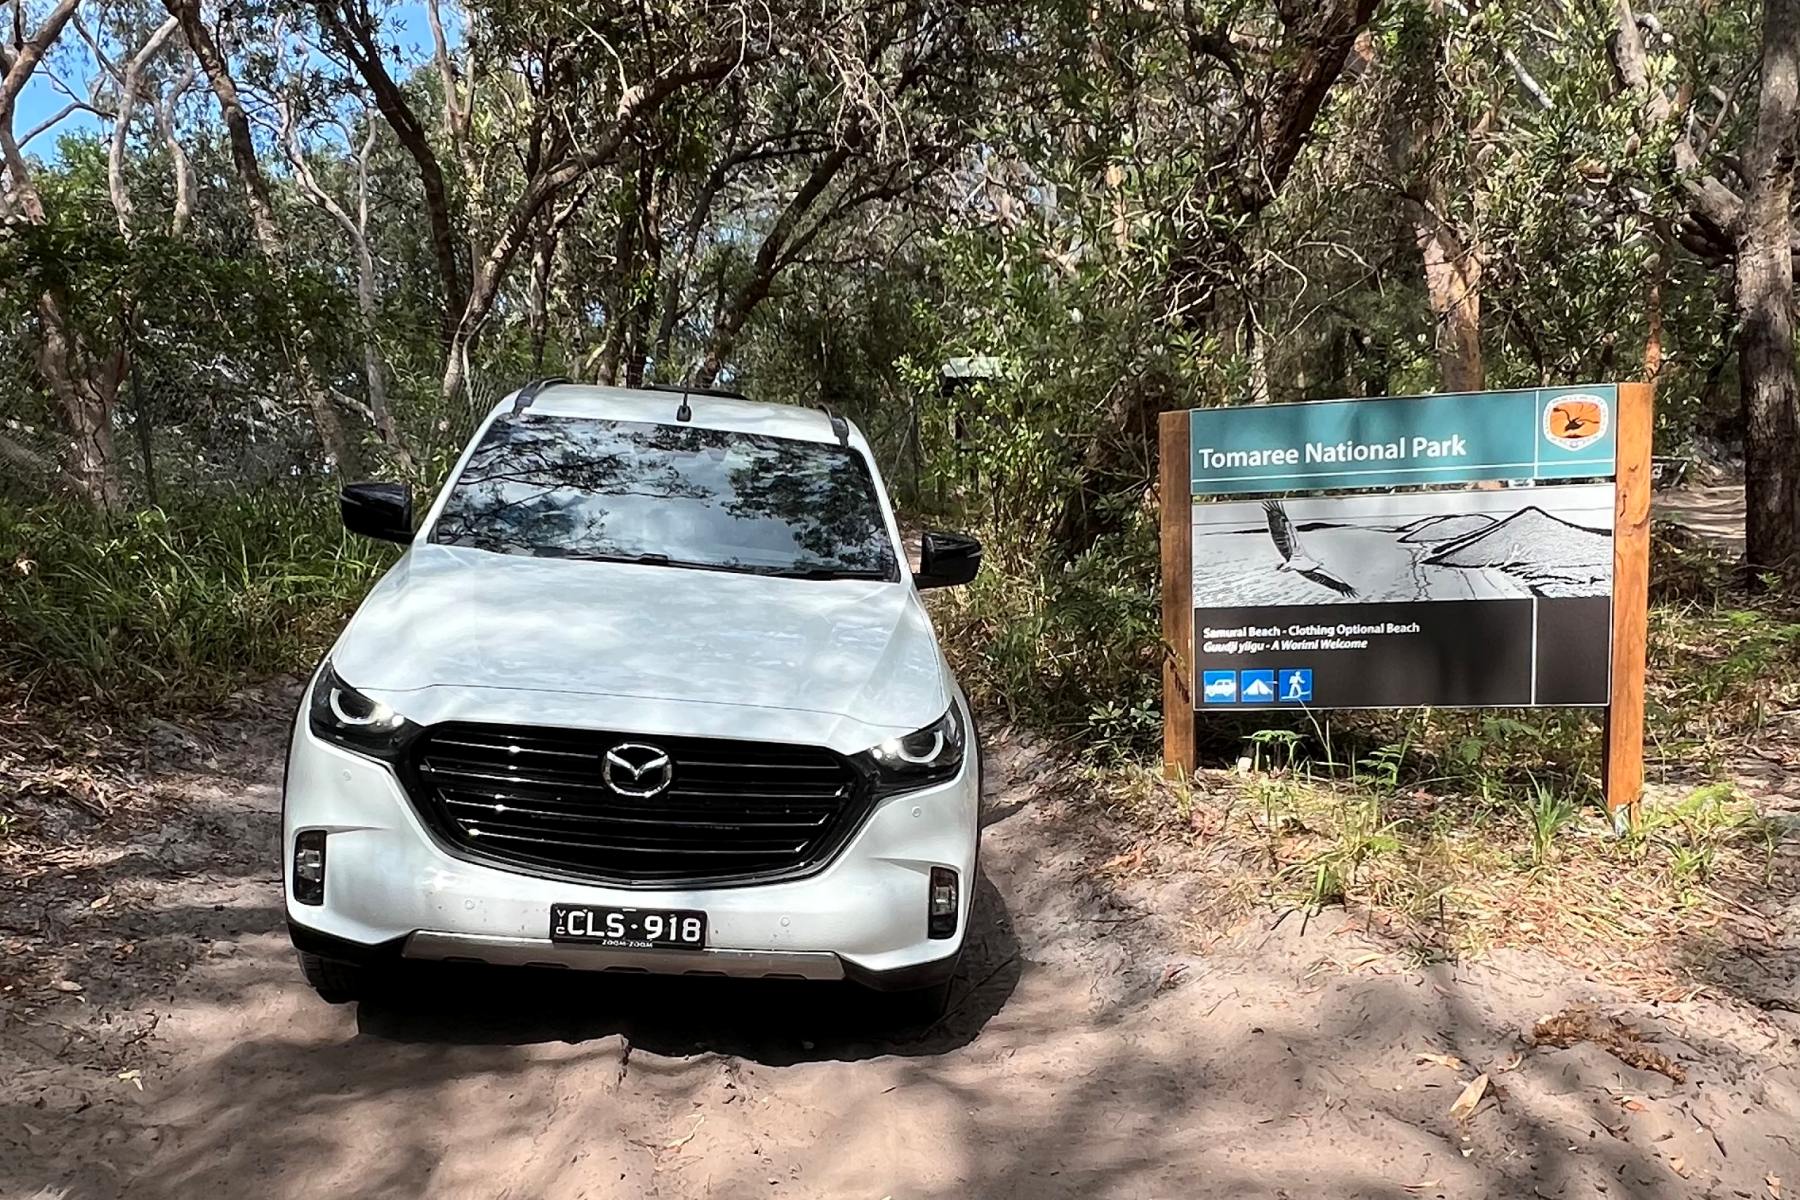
(637, 770)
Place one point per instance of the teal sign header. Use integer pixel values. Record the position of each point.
(1454, 437)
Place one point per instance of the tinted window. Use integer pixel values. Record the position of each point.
(577, 487)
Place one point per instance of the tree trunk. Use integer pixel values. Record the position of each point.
(361, 45)
(93, 462)
(1765, 302)
(140, 420)
(643, 308)
(778, 246)
(1423, 120)
(87, 392)
(374, 369)
(455, 375)
(84, 383)
(368, 305)
(670, 304)
(1453, 288)
(537, 319)
(624, 269)
(544, 186)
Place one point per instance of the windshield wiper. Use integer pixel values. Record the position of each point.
(828, 573)
(653, 560)
(742, 569)
(663, 560)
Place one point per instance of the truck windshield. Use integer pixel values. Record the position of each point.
(668, 495)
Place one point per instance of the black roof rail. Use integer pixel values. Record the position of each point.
(530, 391)
(839, 426)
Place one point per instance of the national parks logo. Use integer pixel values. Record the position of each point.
(1575, 420)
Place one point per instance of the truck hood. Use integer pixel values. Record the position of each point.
(460, 634)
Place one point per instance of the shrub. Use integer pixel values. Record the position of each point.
(179, 604)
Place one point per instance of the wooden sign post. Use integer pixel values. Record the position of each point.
(1623, 695)
(1176, 490)
(1622, 762)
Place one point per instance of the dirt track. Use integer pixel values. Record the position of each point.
(1096, 1048)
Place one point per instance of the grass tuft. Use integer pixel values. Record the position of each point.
(180, 605)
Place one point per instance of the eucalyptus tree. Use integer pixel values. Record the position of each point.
(1730, 169)
(266, 223)
(79, 284)
(1209, 108)
(655, 116)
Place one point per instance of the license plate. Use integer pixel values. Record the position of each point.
(628, 928)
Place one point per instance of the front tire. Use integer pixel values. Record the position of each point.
(336, 982)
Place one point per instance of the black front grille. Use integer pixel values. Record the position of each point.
(733, 811)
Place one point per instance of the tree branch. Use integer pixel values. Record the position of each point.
(352, 32)
(1711, 203)
(25, 59)
(180, 165)
(130, 78)
(62, 114)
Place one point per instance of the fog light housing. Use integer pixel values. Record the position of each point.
(309, 867)
(940, 921)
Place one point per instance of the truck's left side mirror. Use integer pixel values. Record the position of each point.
(378, 510)
(947, 559)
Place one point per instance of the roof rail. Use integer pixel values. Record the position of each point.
(839, 426)
(530, 391)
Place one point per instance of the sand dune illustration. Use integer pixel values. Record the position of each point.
(1387, 555)
(1552, 556)
(1431, 530)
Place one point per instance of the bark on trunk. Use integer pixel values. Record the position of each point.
(1765, 302)
(87, 399)
(537, 317)
(643, 308)
(1453, 288)
(1421, 115)
(83, 383)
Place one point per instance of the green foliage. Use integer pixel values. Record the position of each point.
(175, 606)
(1069, 162)
(1273, 748)
(1695, 830)
(1549, 811)
(1075, 650)
(1362, 837)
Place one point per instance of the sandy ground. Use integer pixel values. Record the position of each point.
(1110, 1037)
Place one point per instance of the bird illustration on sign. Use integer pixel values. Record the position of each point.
(1295, 559)
(1573, 421)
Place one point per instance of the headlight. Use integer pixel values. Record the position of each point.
(343, 715)
(931, 755)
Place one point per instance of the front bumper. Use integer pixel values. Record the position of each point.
(393, 891)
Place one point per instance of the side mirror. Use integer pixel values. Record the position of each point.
(378, 510)
(947, 559)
